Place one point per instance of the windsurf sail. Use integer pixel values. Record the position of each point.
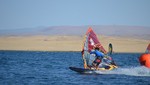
(110, 49)
(90, 41)
(148, 49)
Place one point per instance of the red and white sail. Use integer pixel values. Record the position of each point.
(89, 43)
(148, 49)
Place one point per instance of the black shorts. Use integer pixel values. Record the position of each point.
(97, 61)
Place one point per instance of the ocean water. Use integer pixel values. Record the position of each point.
(51, 68)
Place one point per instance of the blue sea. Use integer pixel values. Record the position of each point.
(52, 68)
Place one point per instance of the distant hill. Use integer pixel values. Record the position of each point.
(110, 30)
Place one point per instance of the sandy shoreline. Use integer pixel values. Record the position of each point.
(68, 43)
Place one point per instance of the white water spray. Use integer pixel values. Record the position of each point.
(132, 71)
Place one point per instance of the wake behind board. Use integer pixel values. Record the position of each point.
(82, 70)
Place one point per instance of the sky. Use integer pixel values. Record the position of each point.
(19, 14)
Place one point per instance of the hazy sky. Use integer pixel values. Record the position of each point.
(15, 14)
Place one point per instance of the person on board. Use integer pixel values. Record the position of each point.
(101, 59)
(99, 56)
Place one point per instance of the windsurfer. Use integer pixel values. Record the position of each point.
(99, 56)
(101, 59)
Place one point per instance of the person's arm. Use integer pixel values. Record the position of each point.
(102, 54)
(92, 52)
